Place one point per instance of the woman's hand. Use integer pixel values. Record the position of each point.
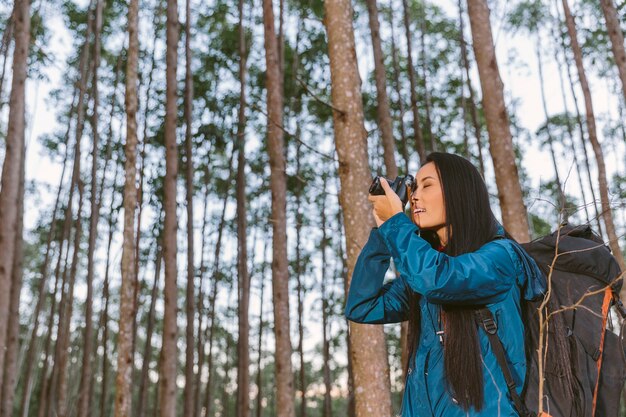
(385, 206)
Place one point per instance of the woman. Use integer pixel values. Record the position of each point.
(452, 258)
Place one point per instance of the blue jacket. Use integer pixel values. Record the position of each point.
(497, 275)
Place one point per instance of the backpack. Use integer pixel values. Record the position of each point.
(586, 273)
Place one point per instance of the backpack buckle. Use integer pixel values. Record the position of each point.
(489, 324)
(485, 319)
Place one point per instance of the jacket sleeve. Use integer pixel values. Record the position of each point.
(478, 278)
(369, 301)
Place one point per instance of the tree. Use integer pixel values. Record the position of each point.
(170, 329)
(617, 39)
(10, 369)
(368, 349)
(514, 214)
(607, 214)
(278, 183)
(243, 341)
(417, 129)
(127, 304)
(382, 100)
(188, 410)
(9, 194)
(84, 392)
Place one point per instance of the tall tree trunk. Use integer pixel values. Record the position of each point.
(300, 288)
(420, 147)
(170, 330)
(213, 294)
(570, 129)
(188, 410)
(84, 393)
(368, 349)
(48, 396)
(617, 39)
(200, 299)
(472, 101)
(243, 343)
(562, 210)
(259, 371)
(48, 382)
(63, 342)
(278, 180)
(382, 101)
(607, 214)
(514, 214)
(13, 331)
(397, 87)
(105, 313)
(147, 351)
(342, 271)
(327, 408)
(5, 46)
(581, 129)
(432, 143)
(123, 390)
(142, 158)
(41, 290)
(9, 193)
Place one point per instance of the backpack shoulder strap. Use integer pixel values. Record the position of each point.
(484, 318)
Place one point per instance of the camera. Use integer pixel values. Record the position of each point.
(400, 185)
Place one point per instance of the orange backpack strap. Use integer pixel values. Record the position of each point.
(606, 304)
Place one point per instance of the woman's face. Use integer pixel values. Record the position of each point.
(428, 210)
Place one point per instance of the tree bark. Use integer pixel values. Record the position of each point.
(5, 46)
(188, 410)
(570, 136)
(65, 318)
(200, 298)
(368, 350)
(123, 390)
(243, 342)
(105, 313)
(213, 294)
(579, 123)
(43, 282)
(170, 330)
(300, 288)
(417, 128)
(617, 39)
(147, 351)
(562, 210)
(13, 331)
(327, 408)
(472, 101)
(278, 181)
(9, 193)
(396, 82)
(607, 214)
(84, 393)
(259, 370)
(514, 216)
(382, 101)
(432, 142)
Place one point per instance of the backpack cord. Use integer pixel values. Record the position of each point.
(485, 319)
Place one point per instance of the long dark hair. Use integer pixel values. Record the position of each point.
(469, 217)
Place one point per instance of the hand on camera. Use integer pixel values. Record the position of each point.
(385, 206)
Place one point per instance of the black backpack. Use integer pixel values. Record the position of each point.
(585, 273)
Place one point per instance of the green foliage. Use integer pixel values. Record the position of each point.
(539, 226)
